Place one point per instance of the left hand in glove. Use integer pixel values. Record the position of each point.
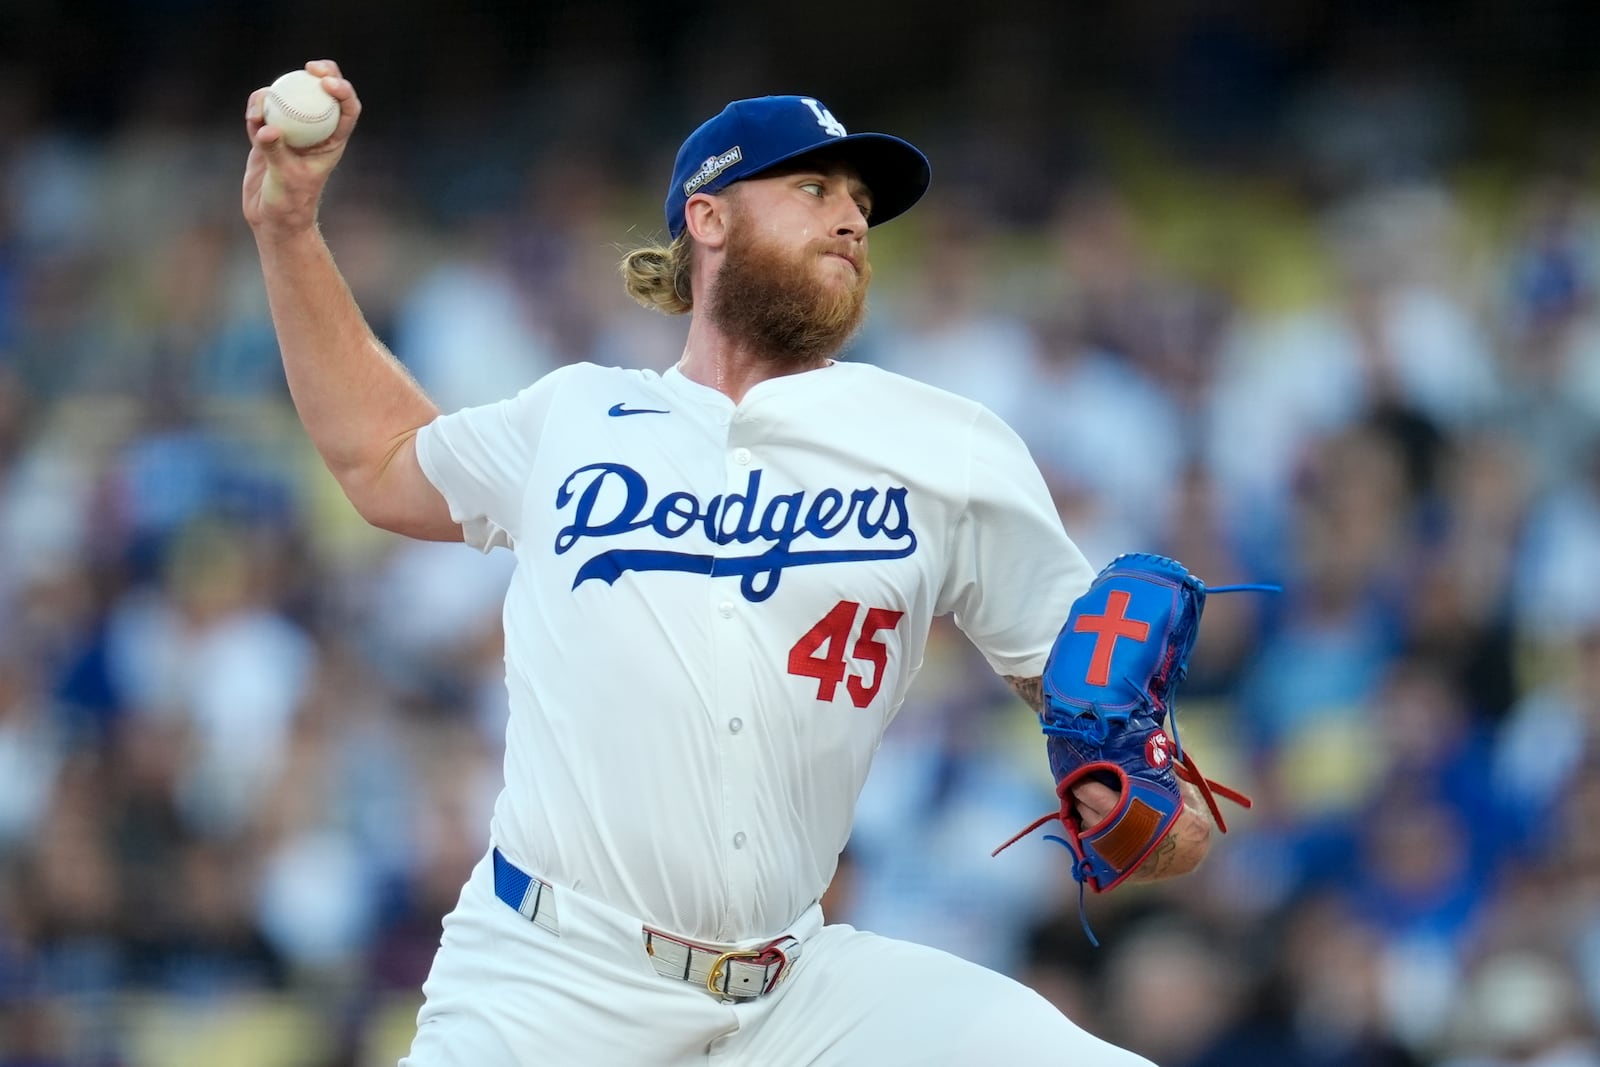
(1108, 687)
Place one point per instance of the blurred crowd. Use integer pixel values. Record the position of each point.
(1322, 337)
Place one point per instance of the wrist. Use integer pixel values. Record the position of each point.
(286, 238)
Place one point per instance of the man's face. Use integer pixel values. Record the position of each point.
(794, 276)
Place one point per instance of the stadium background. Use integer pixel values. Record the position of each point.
(1294, 291)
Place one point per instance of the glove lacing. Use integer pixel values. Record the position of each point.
(1081, 870)
(1096, 732)
(1183, 763)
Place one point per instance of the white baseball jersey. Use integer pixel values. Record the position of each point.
(718, 608)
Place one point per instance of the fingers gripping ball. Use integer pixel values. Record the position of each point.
(301, 108)
(1109, 685)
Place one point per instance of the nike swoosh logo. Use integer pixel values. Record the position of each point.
(617, 411)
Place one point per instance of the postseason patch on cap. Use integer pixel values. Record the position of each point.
(711, 168)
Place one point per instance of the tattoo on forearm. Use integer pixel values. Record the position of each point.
(1159, 862)
(1180, 852)
(1031, 690)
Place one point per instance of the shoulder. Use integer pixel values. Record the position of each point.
(909, 417)
(939, 407)
(948, 418)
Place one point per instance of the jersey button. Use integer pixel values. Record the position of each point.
(726, 608)
(741, 456)
(735, 725)
(738, 839)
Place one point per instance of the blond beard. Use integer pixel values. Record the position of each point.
(772, 299)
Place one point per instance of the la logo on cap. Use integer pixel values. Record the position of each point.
(825, 119)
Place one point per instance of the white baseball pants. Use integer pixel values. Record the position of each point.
(505, 992)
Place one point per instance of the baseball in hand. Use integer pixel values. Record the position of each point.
(301, 108)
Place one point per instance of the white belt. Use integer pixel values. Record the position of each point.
(730, 975)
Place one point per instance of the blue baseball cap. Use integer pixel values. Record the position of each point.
(751, 136)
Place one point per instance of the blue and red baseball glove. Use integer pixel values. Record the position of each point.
(1109, 684)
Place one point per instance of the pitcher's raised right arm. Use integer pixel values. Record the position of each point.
(360, 407)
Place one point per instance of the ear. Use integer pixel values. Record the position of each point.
(705, 217)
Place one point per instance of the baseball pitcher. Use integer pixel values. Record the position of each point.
(725, 579)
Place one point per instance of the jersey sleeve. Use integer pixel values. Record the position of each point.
(1013, 572)
(480, 459)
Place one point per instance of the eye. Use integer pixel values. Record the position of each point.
(816, 189)
(866, 209)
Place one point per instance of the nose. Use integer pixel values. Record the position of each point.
(853, 224)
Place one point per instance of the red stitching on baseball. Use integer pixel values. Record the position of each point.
(295, 113)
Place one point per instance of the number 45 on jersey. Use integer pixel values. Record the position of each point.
(820, 652)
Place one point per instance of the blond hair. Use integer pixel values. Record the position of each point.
(658, 276)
